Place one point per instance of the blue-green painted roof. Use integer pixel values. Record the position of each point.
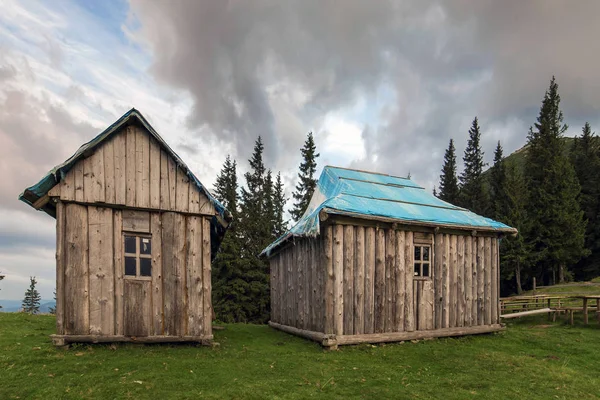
(359, 193)
(55, 175)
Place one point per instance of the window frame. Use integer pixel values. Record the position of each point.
(137, 255)
(420, 261)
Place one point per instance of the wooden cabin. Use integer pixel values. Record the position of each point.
(135, 232)
(376, 258)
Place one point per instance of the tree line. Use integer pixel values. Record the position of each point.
(240, 278)
(552, 197)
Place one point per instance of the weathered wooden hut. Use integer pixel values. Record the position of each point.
(135, 231)
(376, 258)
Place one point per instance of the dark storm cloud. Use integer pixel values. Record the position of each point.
(445, 63)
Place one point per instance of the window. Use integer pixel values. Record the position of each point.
(422, 261)
(138, 256)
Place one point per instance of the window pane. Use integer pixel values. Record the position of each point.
(425, 269)
(145, 267)
(426, 253)
(130, 244)
(417, 269)
(417, 253)
(145, 246)
(130, 266)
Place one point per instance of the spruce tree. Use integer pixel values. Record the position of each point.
(31, 302)
(498, 194)
(279, 201)
(448, 187)
(255, 234)
(52, 310)
(306, 178)
(269, 206)
(557, 228)
(472, 193)
(586, 161)
(230, 291)
(510, 208)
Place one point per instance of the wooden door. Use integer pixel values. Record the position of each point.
(136, 303)
(423, 286)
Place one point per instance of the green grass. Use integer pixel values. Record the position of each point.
(569, 288)
(530, 360)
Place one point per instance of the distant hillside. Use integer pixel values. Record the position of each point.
(15, 305)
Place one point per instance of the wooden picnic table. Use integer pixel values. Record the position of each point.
(585, 299)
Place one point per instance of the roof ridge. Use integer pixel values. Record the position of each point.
(367, 172)
(382, 183)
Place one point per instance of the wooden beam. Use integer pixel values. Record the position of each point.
(41, 202)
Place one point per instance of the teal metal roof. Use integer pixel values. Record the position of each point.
(55, 175)
(379, 196)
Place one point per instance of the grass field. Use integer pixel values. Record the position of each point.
(532, 359)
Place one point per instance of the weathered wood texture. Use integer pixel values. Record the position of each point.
(369, 287)
(131, 169)
(95, 298)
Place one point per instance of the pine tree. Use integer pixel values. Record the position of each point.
(255, 234)
(279, 201)
(556, 234)
(31, 302)
(230, 291)
(448, 187)
(307, 182)
(510, 204)
(586, 161)
(269, 206)
(498, 194)
(472, 193)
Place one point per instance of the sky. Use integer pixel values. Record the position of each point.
(383, 85)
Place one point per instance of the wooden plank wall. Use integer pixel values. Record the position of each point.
(131, 169)
(365, 284)
(297, 285)
(94, 295)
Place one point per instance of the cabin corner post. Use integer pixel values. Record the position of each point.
(60, 267)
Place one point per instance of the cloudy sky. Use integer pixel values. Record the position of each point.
(383, 86)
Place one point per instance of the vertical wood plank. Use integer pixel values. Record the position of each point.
(409, 312)
(369, 280)
(89, 185)
(446, 283)
(314, 286)
(359, 282)
(165, 203)
(119, 267)
(390, 279)
(453, 278)
(379, 281)
(172, 171)
(480, 281)
(154, 167)
(76, 271)
(299, 286)
(67, 186)
(438, 257)
(421, 308)
(79, 181)
(182, 192)
(120, 167)
(142, 162)
(130, 166)
(273, 287)
(460, 281)
(101, 287)
(194, 276)
(109, 171)
(338, 286)
(97, 165)
(137, 307)
(348, 280)
(400, 283)
(474, 282)
(60, 267)
(173, 241)
(281, 265)
(428, 304)
(494, 284)
(468, 280)
(206, 281)
(157, 280)
(289, 283)
(488, 281)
